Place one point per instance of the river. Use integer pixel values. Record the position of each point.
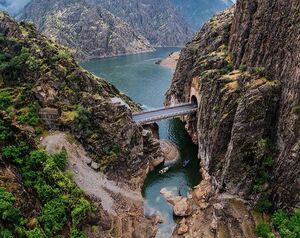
(146, 83)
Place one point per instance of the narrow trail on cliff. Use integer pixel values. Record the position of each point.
(93, 183)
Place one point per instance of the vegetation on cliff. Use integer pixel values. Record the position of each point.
(42, 88)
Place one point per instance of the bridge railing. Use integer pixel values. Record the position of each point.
(166, 116)
(162, 108)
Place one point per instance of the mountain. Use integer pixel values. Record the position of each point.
(157, 20)
(89, 30)
(242, 70)
(13, 6)
(62, 135)
(196, 12)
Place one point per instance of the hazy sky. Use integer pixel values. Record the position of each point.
(13, 6)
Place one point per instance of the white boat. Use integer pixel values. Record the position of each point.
(164, 170)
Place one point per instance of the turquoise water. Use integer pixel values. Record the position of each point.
(146, 83)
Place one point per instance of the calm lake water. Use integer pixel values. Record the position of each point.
(146, 83)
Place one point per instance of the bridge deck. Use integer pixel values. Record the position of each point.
(164, 113)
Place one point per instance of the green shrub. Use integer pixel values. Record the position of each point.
(38, 130)
(243, 67)
(260, 71)
(227, 69)
(7, 210)
(4, 233)
(60, 160)
(16, 153)
(63, 54)
(31, 117)
(2, 38)
(5, 100)
(80, 212)
(288, 226)
(53, 216)
(263, 204)
(5, 132)
(77, 234)
(35, 233)
(263, 230)
(297, 110)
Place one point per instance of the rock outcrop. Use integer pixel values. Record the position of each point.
(89, 30)
(242, 69)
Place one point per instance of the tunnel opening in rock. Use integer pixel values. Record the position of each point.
(194, 100)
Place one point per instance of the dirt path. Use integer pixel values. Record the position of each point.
(93, 183)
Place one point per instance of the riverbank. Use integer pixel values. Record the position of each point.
(171, 61)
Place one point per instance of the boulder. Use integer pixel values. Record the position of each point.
(182, 208)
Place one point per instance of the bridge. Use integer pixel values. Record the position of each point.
(158, 114)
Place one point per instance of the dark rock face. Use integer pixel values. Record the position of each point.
(89, 30)
(157, 20)
(244, 71)
(266, 34)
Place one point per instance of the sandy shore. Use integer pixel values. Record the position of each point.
(171, 61)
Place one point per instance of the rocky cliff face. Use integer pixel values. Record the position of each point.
(42, 89)
(89, 30)
(243, 68)
(157, 20)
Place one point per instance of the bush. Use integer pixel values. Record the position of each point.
(77, 234)
(31, 117)
(35, 233)
(243, 67)
(263, 204)
(288, 226)
(53, 216)
(263, 230)
(7, 210)
(5, 100)
(38, 130)
(297, 110)
(5, 132)
(260, 71)
(4, 233)
(12, 67)
(63, 54)
(80, 212)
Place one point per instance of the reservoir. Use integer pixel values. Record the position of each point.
(146, 83)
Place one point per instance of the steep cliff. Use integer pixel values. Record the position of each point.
(157, 20)
(89, 30)
(242, 68)
(42, 89)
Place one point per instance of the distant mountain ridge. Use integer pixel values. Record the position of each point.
(157, 20)
(102, 28)
(197, 12)
(89, 31)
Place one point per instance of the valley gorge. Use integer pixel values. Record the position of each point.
(73, 163)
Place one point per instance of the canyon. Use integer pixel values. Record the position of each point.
(73, 163)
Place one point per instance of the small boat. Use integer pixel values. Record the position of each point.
(164, 170)
(185, 163)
